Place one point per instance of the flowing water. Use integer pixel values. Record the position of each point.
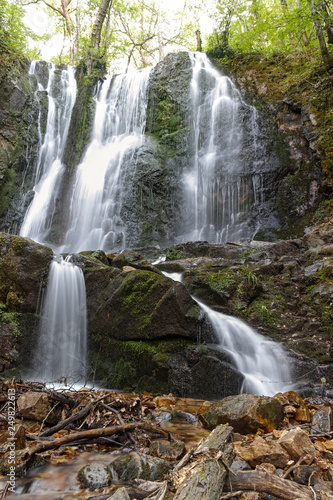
(95, 216)
(262, 362)
(223, 184)
(62, 346)
(61, 92)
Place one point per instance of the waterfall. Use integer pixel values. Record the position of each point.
(95, 216)
(262, 362)
(61, 349)
(221, 186)
(61, 94)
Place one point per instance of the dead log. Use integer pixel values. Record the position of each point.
(264, 482)
(202, 474)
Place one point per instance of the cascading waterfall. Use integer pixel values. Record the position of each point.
(222, 184)
(61, 91)
(262, 362)
(95, 219)
(61, 350)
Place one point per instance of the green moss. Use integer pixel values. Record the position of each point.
(18, 244)
(174, 254)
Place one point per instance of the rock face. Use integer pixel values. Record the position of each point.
(19, 109)
(24, 267)
(245, 413)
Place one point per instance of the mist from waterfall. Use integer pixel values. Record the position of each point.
(222, 184)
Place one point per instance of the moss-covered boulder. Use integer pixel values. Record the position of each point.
(24, 266)
(138, 304)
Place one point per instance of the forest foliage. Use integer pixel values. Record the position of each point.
(141, 32)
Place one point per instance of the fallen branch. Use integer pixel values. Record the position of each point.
(26, 454)
(264, 482)
(293, 467)
(77, 416)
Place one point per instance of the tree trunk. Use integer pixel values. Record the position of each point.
(98, 24)
(199, 43)
(319, 32)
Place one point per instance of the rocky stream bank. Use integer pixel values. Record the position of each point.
(141, 446)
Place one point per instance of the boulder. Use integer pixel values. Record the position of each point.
(135, 465)
(246, 413)
(36, 406)
(94, 476)
(261, 451)
(297, 444)
(322, 421)
(138, 304)
(23, 266)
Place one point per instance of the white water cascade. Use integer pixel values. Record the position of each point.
(223, 183)
(61, 92)
(62, 345)
(262, 362)
(95, 216)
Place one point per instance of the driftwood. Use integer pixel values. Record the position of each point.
(264, 482)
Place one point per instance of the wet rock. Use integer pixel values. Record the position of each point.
(36, 406)
(167, 450)
(297, 444)
(246, 413)
(262, 451)
(183, 417)
(135, 465)
(322, 421)
(94, 476)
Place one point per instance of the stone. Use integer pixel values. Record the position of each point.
(322, 421)
(303, 415)
(120, 494)
(261, 451)
(167, 450)
(239, 464)
(95, 476)
(36, 406)
(246, 413)
(137, 465)
(297, 444)
(302, 474)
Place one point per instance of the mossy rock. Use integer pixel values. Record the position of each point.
(139, 305)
